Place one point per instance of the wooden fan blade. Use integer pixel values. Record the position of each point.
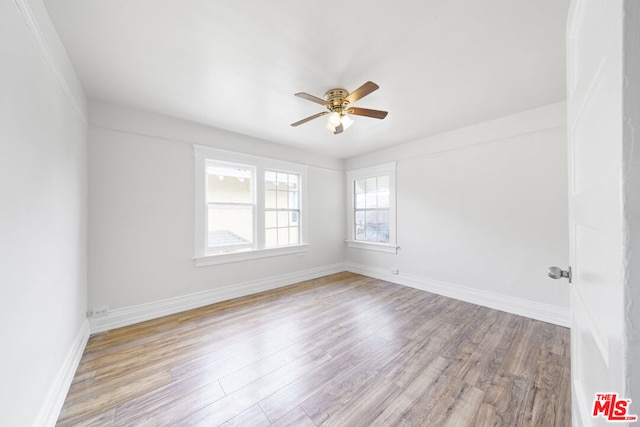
(376, 114)
(339, 129)
(312, 98)
(315, 116)
(361, 92)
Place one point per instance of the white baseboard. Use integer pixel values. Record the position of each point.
(50, 410)
(522, 307)
(139, 313)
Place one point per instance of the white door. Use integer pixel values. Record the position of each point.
(594, 122)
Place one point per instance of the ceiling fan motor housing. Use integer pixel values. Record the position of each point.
(335, 98)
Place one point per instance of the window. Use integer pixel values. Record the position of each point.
(372, 208)
(246, 207)
(282, 209)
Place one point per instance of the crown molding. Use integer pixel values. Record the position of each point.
(72, 90)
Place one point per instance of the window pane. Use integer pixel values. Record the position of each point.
(270, 180)
(283, 199)
(229, 184)
(283, 219)
(370, 225)
(283, 181)
(371, 185)
(230, 225)
(293, 200)
(283, 196)
(383, 183)
(294, 235)
(383, 191)
(377, 226)
(271, 238)
(383, 199)
(283, 236)
(360, 201)
(270, 199)
(359, 225)
(293, 218)
(371, 200)
(270, 219)
(383, 227)
(293, 182)
(359, 186)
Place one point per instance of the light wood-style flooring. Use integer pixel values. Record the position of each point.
(342, 350)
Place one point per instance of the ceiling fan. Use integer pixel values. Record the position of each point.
(338, 101)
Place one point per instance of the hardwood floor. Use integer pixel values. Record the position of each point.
(342, 350)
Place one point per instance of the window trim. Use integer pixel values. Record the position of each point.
(228, 257)
(202, 256)
(370, 172)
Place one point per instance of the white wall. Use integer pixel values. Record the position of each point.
(481, 214)
(43, 200)
(141, 212)
(631, 190)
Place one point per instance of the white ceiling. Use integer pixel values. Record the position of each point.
(440, 64)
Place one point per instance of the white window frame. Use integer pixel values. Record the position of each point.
(203, 256)
(388, 169)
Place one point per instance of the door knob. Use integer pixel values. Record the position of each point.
(558, 273)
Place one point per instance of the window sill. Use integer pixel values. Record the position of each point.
(225, 258)
(379, 247)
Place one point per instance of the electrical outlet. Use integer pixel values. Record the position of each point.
(395, 271)
(100, 311)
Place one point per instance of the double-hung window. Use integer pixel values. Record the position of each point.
(282, 209)
(247, 207)
(371, 217)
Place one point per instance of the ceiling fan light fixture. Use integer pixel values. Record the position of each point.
(346, 122)
(334, 119)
